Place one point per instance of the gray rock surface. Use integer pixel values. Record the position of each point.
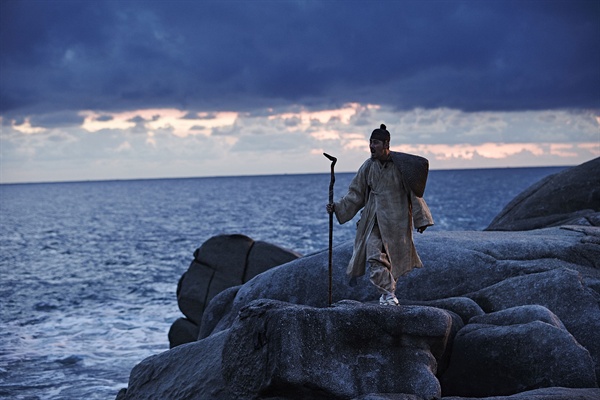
(182, 331)
(514, 350)
(283, 350)
(554, 393)
(484, 272)
(389, 396)
(221, 262)
(571, 196)
(561, 291)
(189, 371)
(551, 393)
(288, 351)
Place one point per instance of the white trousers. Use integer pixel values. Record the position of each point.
(380, 267)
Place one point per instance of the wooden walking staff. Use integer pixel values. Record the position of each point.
(331, 182)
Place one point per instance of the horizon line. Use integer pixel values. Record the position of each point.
(259, 175)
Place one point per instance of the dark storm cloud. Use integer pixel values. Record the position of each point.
(471, 55)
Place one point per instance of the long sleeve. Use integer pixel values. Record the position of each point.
(421, 214)
(349, 205)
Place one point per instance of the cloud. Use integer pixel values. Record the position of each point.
(25, 127)
(247, 56)
(154, 143)
(490, 155)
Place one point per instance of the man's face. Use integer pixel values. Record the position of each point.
(379, 149)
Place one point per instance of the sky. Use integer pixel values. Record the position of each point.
(95, 90)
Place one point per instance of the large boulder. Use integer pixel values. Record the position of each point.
(221, 262)
(459, 263)
(298, 352)
(189, 371)
(182, 331)
(552, 393)
(571, 196)
(514, 350)
(561, 291)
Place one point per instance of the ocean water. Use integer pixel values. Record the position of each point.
(89, 269)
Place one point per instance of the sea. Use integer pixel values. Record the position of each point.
(89, 270)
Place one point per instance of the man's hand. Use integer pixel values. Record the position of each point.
(330, 208)
(421, 229)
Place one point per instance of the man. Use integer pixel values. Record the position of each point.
(388, 188)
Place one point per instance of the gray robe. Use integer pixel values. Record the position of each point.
(381, 193)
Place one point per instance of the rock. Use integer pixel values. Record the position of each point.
(219, 306)
(464, 307)
(562, 292)
(524, 309)
(220, 263)
(467, 273)
(458, 263)
(289, 351)
(520, 310)
(512, 351)
(190, 371)
(461, 309)
(182, 331)
(388, 396)
(571, 196)
(225, 253)
(286, 351)
(519, 315)
(264, 256)
(553, 393)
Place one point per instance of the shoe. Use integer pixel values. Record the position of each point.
(388, 300)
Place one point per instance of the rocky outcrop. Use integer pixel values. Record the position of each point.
(492, 315)
(189, 371)
(283, 350)
(552, 393)
(570, 197)
(525, 299)
(514, 350)
(221, 262)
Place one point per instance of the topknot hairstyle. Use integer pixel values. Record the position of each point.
(381, 133)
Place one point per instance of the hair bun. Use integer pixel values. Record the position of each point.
(382, 127)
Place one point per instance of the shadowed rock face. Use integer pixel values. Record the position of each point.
(514, 350)
(221, 262)
(568, 197)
